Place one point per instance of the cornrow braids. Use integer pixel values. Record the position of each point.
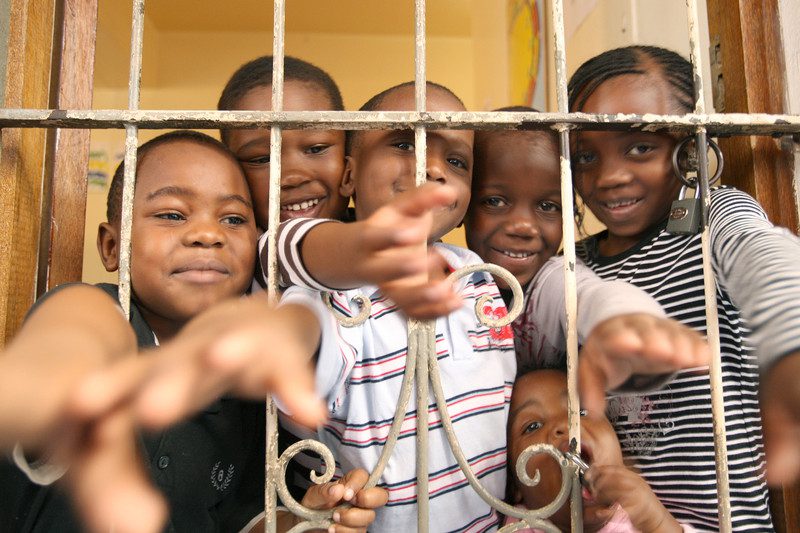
(114, 199)
(258, 73)
(637, 59)
(374, 103)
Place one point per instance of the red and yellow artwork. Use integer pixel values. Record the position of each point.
(526, 57)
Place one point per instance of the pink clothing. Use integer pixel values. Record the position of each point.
(619, 523)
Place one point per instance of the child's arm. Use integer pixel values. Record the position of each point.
(780, 413)
(615, 484)
(621, 328)
(74, 331)
(757, 263)
(387, 250)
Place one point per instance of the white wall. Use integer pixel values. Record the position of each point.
(789, 16)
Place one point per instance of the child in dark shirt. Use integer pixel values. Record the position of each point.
(76, 367)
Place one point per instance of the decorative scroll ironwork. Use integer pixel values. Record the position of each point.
(421, 338)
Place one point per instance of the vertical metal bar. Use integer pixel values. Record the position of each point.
(271, 458)
(422, 335)
(568, 225)
(131, 140)
(709, 284)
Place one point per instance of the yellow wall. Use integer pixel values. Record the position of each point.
(187, 69)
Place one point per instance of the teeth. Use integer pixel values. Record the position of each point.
(300, 206)
(621, 203)
(516, 255)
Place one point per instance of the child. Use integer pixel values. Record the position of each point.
(514, 221)
(360, 368)
(626, 179)
(312, 161)
(192, 246)
(617, 501)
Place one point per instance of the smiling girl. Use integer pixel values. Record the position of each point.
(627, 180)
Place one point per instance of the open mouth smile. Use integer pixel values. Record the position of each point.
(514, 255)
(301, 206)
(621, 203)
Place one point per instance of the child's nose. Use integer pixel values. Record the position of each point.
(204, 233)
(436, 171)
(613, 175)
(522, 227)
(293, 172)
(559, 430)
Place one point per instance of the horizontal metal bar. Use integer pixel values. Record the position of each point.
(716, 124)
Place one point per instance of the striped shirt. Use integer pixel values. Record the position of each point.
(360, 370)
(668, 435)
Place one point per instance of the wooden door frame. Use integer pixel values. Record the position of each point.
(750, 77)
(50, 65)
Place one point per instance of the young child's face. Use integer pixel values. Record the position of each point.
(514, 218)
(382, 164)
(538, 415)
(626, 178)
(193, 239)
(312, 161)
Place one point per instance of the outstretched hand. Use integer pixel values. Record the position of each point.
(634, 345)
(244, 346)
(780, 415)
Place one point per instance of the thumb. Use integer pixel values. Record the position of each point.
(277, 364)
(592, 383)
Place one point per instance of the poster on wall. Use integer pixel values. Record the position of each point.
(103, 160)
(526, 45)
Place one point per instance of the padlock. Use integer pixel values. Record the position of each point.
(684, 217)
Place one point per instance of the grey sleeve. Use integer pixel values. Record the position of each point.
(758, 264)
(544, 328)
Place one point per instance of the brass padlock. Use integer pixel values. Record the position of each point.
(684, 217)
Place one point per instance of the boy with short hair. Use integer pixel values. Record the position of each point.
(360, 369)
(192, 247)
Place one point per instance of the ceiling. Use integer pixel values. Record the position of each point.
(444, 17)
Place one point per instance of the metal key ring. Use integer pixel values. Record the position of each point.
(692, 183)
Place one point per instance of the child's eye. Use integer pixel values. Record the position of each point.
(584, 158)
(458, 163)
(317, 149)
(640, 149)
(261, 160)
(494, 201)
(583, 412)
(533, 426)
(234, 220)
(549, 207)
(170, 216)
(404, 146)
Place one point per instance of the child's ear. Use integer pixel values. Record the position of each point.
(108, 246)
(348, 186)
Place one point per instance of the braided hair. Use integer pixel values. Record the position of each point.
(637, 59)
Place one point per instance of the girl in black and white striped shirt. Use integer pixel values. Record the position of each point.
(627, 180)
